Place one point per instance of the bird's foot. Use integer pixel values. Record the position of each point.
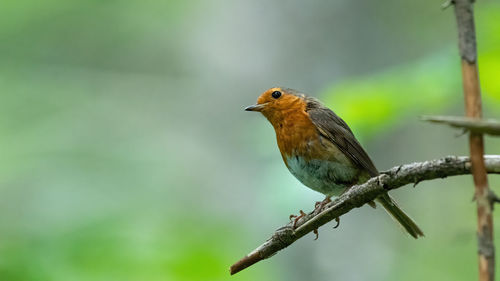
(318, 207)
(338, 222)
(316, 232)
(297, 218)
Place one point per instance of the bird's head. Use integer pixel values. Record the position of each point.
(277, 102)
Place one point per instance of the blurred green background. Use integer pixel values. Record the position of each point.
(126, 153)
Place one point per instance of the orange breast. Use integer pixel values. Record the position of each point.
(313, 159)
(297, 136)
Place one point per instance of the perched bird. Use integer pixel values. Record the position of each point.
(319, 148)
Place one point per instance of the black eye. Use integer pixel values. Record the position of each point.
(276, 94)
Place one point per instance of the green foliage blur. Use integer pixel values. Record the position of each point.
(126, 155)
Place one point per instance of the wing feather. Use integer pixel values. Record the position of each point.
(331, 126)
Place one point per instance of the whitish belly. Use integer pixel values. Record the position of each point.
(328, 177)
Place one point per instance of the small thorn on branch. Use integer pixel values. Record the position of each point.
(493, 198)
(417, 181)
(461, 133)
(447, 4)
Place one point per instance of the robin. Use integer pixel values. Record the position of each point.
(320, 150)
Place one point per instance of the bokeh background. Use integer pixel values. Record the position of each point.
(126, 153)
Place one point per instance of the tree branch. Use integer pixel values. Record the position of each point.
(357, 196)
(485, 126)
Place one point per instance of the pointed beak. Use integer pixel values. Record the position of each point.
(255, 107)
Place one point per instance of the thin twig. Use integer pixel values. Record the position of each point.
(485, 126)
(464, 13)
(357, 196)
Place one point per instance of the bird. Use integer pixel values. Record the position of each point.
(320, 149)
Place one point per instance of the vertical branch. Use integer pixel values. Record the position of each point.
(467, 45)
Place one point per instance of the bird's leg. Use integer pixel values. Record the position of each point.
(297, 218)
(319, 207)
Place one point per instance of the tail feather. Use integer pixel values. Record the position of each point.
(399, 215)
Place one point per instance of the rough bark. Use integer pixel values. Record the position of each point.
(357, 196)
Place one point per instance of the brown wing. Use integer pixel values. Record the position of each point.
(336, 130)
